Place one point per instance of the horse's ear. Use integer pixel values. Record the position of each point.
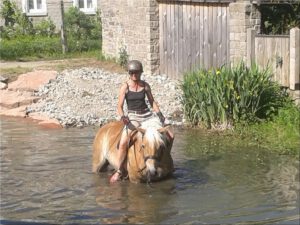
(163, 129)
(141, 130)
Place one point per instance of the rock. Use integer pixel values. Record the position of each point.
(15, 112)
(32, 81)
(12, 99)
(45, 120)
(3, 79)
(3, 85)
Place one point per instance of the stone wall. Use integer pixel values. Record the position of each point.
(242, 15)
(132, 25)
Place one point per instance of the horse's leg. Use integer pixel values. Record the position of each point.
(101, 165)
(100, 162)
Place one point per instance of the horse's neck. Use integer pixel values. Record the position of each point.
(136, 156)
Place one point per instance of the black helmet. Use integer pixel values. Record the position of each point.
(134, 65)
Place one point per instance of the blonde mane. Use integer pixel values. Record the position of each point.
(152, 135)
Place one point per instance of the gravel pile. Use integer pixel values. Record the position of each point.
(89, 96)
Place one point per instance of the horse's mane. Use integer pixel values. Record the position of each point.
(154, 137)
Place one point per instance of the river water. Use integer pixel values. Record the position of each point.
(46, 179)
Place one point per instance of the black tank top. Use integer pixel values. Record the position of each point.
(136, 101)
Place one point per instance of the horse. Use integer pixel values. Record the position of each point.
(148, 157)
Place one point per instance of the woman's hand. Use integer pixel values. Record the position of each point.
(161, 117)
(125, 120)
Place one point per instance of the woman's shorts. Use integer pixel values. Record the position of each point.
(145, 120)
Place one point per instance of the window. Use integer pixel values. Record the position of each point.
(34, 7)
(86, 6)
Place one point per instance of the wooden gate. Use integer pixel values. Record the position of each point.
(192, 35)
(274, 52)
(280, 53)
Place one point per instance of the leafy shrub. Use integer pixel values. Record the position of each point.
(45, 28)
(279, 18)
(16, 22)
(29, 46)
(83, 45)
(123, 57)
(80, 26)
(8, 12)
(221, 97)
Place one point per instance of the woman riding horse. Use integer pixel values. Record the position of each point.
(134, 91)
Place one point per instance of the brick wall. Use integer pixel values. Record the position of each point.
(133, 25)
(242, 15)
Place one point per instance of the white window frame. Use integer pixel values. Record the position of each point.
(35, 11)
(89, 11)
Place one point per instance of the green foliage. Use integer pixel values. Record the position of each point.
(25, 46)
(220, 97)
(83, 45)
(20, 38)
(80, 26)
(18, 24)
(123, 57)
(7, 12)
(28, 46)
(45, 28)
(281, 133)
(279, 18)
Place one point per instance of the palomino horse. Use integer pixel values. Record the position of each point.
(149, 154)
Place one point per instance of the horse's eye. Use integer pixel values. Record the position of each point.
(143, 146)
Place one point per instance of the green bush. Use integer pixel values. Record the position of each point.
(16, 22)
(221, 97)
(80, 26)
(45, 28)
(39, 46)
(29, 46)
(83, 45)
(20, 38)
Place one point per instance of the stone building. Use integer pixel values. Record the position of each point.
(137, 27)
(38, 10)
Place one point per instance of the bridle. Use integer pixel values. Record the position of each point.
(144, 157)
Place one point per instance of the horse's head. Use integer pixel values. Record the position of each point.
(151, 145)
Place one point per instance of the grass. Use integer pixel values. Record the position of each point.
(281, 134)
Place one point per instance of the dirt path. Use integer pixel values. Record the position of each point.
(12, 69)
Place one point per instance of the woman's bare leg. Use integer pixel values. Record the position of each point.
(121, 154)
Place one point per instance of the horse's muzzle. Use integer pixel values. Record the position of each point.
(153, 171)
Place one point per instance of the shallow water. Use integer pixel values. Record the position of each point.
(46, 179)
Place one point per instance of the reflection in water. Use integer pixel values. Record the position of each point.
(46, 178)
(135, 203)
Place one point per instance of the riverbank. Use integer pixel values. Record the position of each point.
(80, 97)
(87, 96)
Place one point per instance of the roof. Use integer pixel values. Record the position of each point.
(264, 2)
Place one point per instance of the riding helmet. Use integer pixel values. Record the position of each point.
(134, 65)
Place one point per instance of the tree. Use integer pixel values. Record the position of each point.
(279, 18)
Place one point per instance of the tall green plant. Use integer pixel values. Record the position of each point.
(16, 22)
(7, 12)
(80, 26)
(221, 97)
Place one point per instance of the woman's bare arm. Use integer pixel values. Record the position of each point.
(150, 97)
(121, 99)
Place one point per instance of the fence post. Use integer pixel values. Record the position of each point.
(62, 29)
(250, 46)
(294, 57)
